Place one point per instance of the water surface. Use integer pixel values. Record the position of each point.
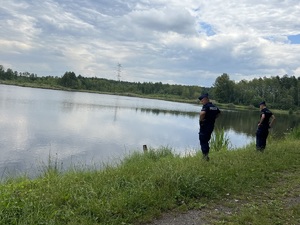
(74, 128)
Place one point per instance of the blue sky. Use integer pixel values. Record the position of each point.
(170, 41)
(294, 39)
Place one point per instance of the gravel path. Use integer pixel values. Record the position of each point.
(189, 218)
(230, 205)
(196, 217)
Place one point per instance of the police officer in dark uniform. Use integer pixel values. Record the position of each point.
(266, 120)
(208, 115)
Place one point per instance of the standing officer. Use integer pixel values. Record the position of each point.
(208, 115)
(266, 120)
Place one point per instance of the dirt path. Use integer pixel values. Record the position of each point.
(286, 192)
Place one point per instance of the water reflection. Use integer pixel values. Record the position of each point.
(246, 122)
(87, 129)
(172, 112)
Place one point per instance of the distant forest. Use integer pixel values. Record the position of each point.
(279, 92)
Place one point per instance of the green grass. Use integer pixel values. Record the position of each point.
(220, 141)
(144, 185)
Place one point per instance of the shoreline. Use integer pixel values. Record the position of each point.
(228, 106)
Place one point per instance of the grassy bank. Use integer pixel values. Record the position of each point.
(145, 185)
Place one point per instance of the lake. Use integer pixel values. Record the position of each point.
(86, 129)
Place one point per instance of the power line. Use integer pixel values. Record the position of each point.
(119, 71)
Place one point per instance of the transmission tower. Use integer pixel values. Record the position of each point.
(119, 71)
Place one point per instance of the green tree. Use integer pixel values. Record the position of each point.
(2, 72)
(69, 79)
(224, 89)
(10, 75)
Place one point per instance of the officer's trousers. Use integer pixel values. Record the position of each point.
(261, 137)
(204, 137)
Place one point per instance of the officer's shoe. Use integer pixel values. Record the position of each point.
(205, 157)
(260, 149)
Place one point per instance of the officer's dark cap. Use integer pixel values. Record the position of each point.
(203, 96)
(262, 103)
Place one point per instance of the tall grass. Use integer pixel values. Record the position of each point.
(220, 141)
(294, 134)
(142, 186)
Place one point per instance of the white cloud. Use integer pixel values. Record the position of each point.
(186, 42)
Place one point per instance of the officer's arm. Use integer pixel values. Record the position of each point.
(261, 119)
(272, 120)
(202, 116)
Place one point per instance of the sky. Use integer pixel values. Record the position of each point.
(187, 42)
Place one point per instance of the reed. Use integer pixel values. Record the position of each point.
(294, 134)
(220, 141)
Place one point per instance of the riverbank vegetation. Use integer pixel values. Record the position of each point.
(145, 185)
(279, 92)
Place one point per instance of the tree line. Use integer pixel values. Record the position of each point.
(279, 92)
(71, 81)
